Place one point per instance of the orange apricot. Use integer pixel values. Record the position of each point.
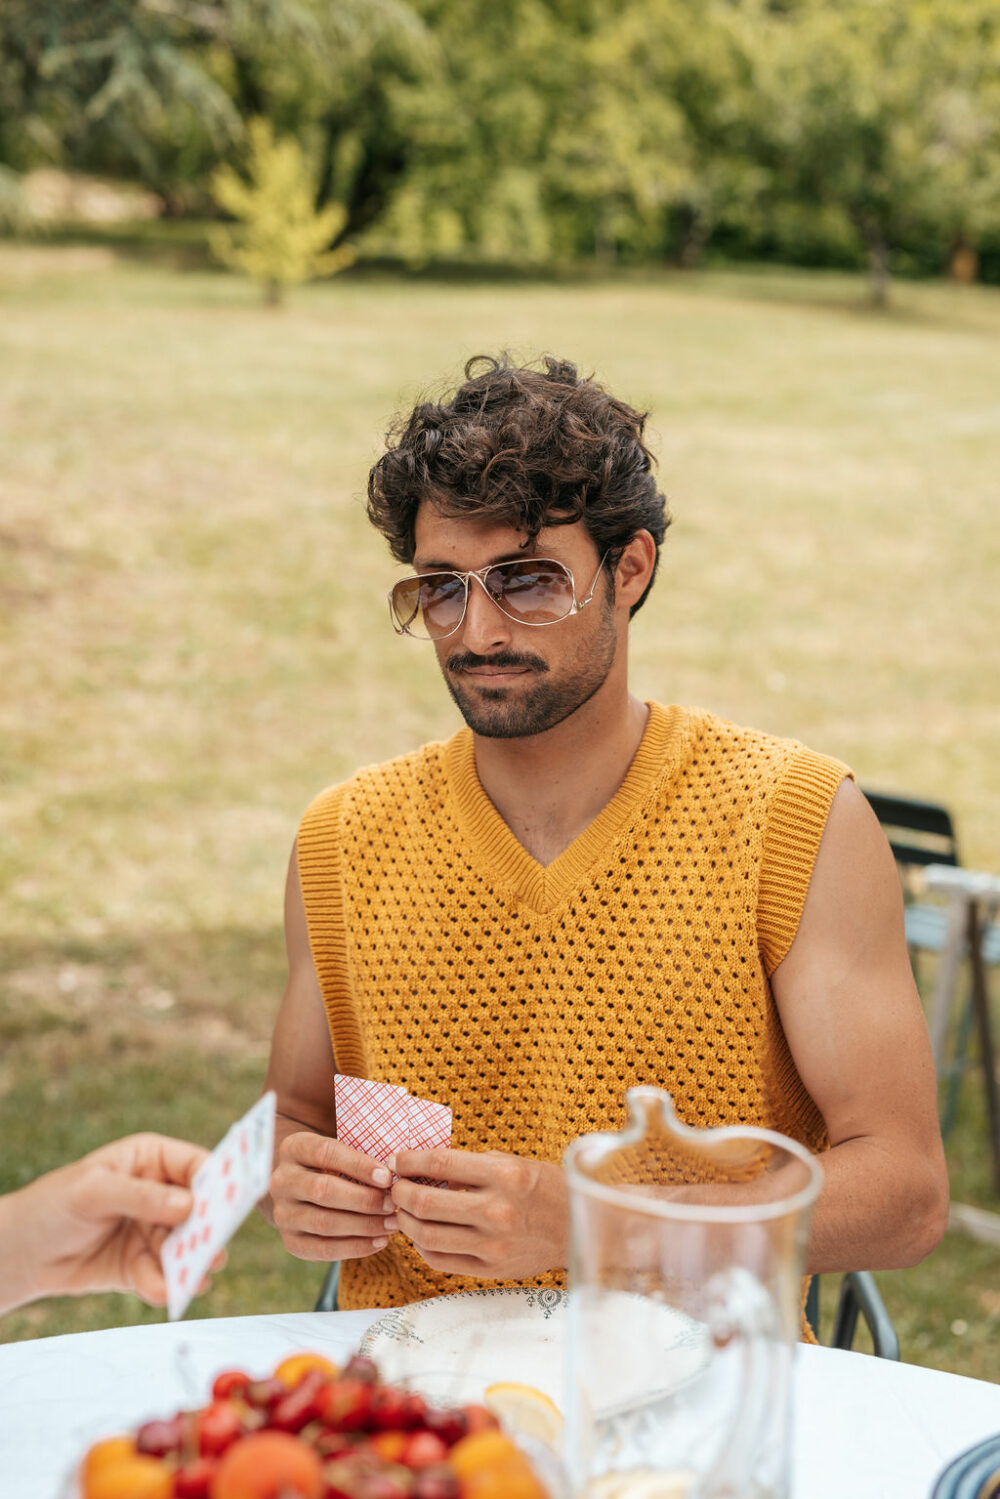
(130, 1477)
(266, 1465)
(111, 1450)
(292, 1369)
(483, 1450)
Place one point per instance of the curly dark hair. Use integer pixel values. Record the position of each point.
(526, 447)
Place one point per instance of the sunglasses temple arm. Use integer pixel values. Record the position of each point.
(593, 584)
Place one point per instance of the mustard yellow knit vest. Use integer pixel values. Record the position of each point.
(530, 997)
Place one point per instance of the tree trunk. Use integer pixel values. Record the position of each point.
(878, 272)
(699, 231)
(273, 293)
(605, 244)
(963, 266)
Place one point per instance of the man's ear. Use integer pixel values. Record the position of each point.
(634, 570)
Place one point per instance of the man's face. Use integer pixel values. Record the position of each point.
(512, 680)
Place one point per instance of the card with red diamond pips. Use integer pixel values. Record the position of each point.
(226, 1187)
(380, 1118)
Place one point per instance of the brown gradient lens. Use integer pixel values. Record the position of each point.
(537, 593)
(430, 606)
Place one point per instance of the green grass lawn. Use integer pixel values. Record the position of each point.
(194, 639)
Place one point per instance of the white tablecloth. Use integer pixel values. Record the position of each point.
(864, 1428)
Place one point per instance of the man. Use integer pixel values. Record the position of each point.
(578, 892)
(97, 1224)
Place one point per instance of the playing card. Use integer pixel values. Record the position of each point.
(380, 1118)
(430, 1129)
(371, 1117)
(430, 1125)
(226, 1187)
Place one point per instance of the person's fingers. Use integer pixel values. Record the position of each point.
(434, 1204)
(179, 1159)
(105, 1193)
(321, 1153)
(318, 1249)
(291, 1216)
(161, 1157)
(461, 1168)
(146, 1276)
(456, 1264)
(326, 1191)
(439, 1238)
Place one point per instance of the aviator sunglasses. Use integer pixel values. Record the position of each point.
(530, 590)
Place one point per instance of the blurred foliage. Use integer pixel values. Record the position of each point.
(825, 131)
(283, 236)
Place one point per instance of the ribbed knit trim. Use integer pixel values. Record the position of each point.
(543, 886)
(318, 851)
(799, 811)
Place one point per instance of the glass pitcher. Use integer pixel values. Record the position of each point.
(685, 1305)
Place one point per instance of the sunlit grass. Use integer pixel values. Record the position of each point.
(194, 637)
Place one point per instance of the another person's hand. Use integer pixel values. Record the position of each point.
(328, 1201)
(503, 1217)
(97, 1224)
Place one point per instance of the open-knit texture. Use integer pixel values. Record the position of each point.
(529, 997)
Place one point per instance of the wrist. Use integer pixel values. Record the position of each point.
(21, 1271)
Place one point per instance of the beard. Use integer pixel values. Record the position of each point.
(522, 711)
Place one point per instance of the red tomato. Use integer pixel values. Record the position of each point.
(390, 1408)
(450, 1425)
(422, 1450)
(359, 1367)
(262, 1394)
(416, 1411)
(217, 1427)
(345, 1404)
(194, 1480)
(299, 1406)
(229, 1383)
(157, 1438)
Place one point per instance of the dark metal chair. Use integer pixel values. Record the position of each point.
(921, 834)
(859, 1296)
(327, 1301)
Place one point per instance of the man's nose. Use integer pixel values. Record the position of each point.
(485, 627)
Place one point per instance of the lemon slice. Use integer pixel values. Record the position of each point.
(525, 1411)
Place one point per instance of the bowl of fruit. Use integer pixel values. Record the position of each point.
(310, 1430)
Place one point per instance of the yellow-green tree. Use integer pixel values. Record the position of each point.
(281, 239)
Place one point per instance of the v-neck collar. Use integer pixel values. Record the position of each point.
(544, 886)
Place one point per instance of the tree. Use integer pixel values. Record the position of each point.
(284, 237)
(161, 89)
(884, 111)
(115, 86)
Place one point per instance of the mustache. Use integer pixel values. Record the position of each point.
(465, 660)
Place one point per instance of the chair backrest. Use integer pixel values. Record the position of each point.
(918, 832)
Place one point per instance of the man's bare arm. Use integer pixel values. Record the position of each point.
(854, 1024)
(328, 1202)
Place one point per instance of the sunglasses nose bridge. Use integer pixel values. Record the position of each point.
(484, 625)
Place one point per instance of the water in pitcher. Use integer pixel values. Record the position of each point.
(685, 1306)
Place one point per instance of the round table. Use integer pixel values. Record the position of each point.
(865, 1428)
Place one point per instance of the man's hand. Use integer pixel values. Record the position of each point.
(329, 1202)
(505, 1217)
(98, 1224)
